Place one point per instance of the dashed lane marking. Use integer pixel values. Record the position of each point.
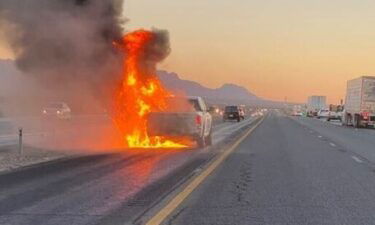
(357, 159)
(160, 216)
(332, 144)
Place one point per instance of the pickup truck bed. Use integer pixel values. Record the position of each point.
(194, 121)
(172, 124)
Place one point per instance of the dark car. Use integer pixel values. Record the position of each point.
(232, 113)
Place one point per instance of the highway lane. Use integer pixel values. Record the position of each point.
(286, 173)
(85, 131)
(359, 142)
(103, 189)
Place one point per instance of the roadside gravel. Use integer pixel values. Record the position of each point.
(10, 159)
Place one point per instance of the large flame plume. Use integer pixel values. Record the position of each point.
(140, 92)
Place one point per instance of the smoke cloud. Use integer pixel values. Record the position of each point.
(154, 52)
(65, 43)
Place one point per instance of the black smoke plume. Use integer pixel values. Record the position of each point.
(155, 51)
(65, 42)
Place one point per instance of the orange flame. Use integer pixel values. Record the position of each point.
(140, 93)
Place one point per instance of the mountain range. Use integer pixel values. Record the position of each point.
(11, 78)
(226, 94)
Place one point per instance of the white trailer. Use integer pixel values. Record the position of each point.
(316, 103)
(360, 102)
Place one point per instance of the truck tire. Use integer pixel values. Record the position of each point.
(239, 119)
(208, 140)
(201, 142)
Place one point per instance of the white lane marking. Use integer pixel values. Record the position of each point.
(332, 144)
(320, 136)
(357, 159)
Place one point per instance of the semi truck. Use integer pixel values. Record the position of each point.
(315, 103)
(360, 102)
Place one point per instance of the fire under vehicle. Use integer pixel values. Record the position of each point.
(360, 102)
(193, 121)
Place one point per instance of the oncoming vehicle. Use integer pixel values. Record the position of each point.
(189, 118)
(58, 110)
(232, 113)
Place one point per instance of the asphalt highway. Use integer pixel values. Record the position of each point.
(289, 171)
(116, 188)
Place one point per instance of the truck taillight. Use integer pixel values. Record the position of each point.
(365, 115)
(198, 120)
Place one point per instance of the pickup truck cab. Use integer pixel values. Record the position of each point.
(192, 120)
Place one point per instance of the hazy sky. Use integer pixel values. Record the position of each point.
(275, 48)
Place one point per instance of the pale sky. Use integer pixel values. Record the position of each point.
(275, 48)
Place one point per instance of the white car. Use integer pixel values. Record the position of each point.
(334, 116)
(58, 110)
(329, 115)
(297, 113)
(323, 113)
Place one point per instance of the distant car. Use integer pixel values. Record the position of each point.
(297, 113)
(312, 114)
(58, 110)
(323, 113)
(334, 116)
(232, 113)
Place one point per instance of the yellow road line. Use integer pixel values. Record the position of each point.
(159, 217)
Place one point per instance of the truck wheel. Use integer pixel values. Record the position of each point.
(208, 140)
(239, 119)
(201, 142)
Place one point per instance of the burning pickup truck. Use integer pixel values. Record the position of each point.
(187, 118)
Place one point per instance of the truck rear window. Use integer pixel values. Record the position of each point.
(231, 109)
(177, 104)
(195, 104)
